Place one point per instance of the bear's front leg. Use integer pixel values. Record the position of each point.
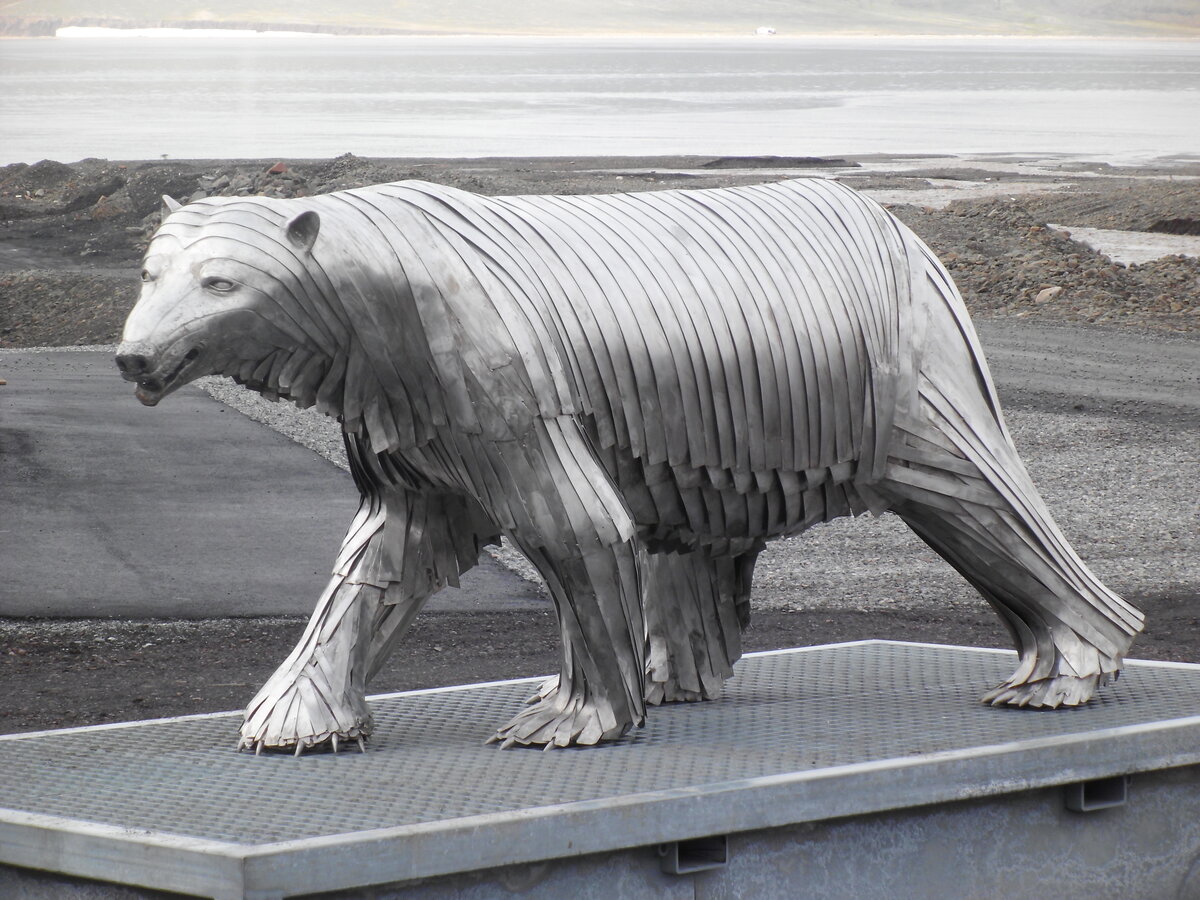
(319, 693)
(401, 548)
(565, 515)
(598, 694)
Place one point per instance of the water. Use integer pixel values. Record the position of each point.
(317, 96)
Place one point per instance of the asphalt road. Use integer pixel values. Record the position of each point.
(189, 510)
(1059, 368)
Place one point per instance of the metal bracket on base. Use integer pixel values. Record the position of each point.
(1103, 793)
(696, 855)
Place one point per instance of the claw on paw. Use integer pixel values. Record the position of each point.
(1048, 693)
(554, 721)
(333, 742)
(669, 682)
(659, 692)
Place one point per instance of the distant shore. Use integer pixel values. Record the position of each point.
(212, 30)
(100, 26)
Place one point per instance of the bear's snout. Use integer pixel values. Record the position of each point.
(134, 360)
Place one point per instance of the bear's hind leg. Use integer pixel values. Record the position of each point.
(1066, 651)
(952, 472)
(696, 606)
(987, 520)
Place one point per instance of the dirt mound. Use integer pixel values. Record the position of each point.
(1007, 262)
(55, 309)
(39, 176)
(52, 188)
(1171, 207)
(774, 162)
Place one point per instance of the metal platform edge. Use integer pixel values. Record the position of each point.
(210, 868)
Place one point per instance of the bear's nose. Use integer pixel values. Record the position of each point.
(134, 360)
(132, 364)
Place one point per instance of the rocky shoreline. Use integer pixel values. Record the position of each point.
(72, 235)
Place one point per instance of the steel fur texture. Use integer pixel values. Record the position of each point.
(638, 390)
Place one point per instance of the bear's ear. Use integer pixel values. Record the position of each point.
(302, 230)
(169, 205)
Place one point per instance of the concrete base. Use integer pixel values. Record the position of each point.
(856, 770)
(1017, 845)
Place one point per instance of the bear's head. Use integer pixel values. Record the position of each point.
(227, 288)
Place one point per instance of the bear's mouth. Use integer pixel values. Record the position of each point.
(152, 388)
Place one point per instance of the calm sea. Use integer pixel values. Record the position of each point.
(262, 96)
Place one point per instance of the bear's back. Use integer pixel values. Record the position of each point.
(735, 329)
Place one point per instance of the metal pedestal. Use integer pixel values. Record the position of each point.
(862, 769)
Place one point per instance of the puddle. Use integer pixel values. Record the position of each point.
(944, 191)
(1067, 165)
(1128, 247)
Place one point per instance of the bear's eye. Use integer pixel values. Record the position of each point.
(145, 275)
(221, 285)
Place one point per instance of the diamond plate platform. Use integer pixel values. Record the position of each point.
(800, 736)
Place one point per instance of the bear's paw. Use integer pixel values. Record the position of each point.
(558, 718)
(299, 716)
(1048, 693)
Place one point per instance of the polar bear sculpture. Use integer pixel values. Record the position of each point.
(638, 390)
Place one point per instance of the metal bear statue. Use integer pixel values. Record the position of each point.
(638, 390)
